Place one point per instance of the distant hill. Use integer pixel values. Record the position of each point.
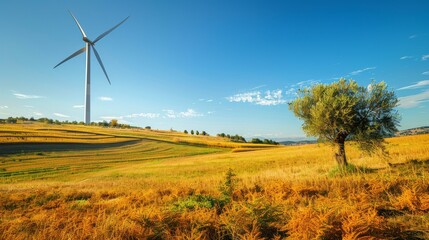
(413, 131)
(406, 132)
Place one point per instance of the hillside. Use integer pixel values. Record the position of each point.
(61, 181)
(414, 131)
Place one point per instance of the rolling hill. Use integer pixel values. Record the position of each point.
(68, 182)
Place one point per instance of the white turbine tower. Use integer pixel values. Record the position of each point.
(88, 45)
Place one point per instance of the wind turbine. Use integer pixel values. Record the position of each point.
(87, 49)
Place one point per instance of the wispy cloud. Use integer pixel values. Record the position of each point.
(425, 73)
(300, 85)
(417, 85)
(205, 100)
(413, 100)
(189, 113)
(258, 87)
(425, 57)
(4, 107)
(269, 98)
(143, 115)
(362, 70)
(306, 83)
(406, 57)
(78, 106)
(61, 115)
(38, 114)
(413, 36)
(25, 96)
(105, 98)
(112, 117)
(133, 115)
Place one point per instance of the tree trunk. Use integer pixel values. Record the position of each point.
(340, 157)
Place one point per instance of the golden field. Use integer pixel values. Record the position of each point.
(80, 182)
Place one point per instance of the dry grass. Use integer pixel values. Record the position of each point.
(161, 188)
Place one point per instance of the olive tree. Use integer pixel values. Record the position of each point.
(343, 110)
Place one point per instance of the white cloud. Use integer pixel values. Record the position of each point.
(417, 85)
(28, 106)
(412, 36)
(190, 113)
(425, 73)
(78, 106)
(61, 115)
(291, 91)
(306, 83)
(406, 57)
(25, 96)
(143, 115)
(105, 98)
(111, 117)
(425, 57)
(362, 70)
(413, 100)
(257, 87)
(270, 98)
(4, 107)
(38, 114)
(133, 115)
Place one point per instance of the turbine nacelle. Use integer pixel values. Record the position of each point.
(91, 44)
(85, 39)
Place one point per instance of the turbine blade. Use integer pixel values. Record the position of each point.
(108, 31)
(72, 56)
(101, 63)
(77, 22)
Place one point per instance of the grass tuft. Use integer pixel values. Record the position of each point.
(350, 169)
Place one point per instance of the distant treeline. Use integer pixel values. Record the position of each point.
(112, 123)
(233, 138)
(238, 138)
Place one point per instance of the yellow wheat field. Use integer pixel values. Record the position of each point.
(168, 185)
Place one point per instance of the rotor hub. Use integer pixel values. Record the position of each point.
(85, 39)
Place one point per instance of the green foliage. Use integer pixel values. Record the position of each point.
(256, 140)
(265, 141)
(221, 135)
(192, 132)
(350, 169)
(195, 201)
(114, 123)
(345, 111)
(233, 138)
(227, 187)
(185, 132)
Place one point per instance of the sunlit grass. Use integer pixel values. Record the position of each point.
(162, 187)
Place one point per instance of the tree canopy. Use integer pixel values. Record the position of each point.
(343, 110)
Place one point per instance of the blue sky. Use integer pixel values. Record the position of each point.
(218, 66)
